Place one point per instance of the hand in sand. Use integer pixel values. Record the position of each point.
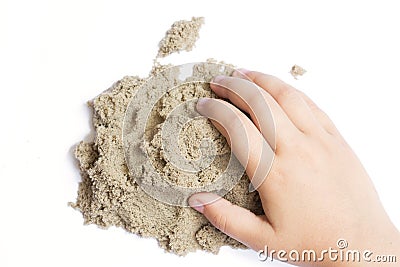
(316, 192)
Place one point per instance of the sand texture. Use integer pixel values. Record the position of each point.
(109, 194)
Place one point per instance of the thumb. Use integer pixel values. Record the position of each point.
(239, 223)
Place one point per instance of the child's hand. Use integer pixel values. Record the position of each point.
(316, 192)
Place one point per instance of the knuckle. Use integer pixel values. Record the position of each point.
(252, 75)
(323, 114)
(285, 93)
(220, 221)
(261, 78)
(276, 179)
(314, 107)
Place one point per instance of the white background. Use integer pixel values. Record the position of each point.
(56, 55)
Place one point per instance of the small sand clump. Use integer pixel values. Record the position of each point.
(182, 36)
(297, 71)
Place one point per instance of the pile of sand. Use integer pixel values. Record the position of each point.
(109, 195)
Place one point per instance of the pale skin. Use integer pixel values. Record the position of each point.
(316, 191)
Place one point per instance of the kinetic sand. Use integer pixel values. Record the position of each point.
(108, 194)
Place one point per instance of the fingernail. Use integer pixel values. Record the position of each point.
(201, 102)
(218, 79)
(240, 72)
(198, 200)
(195, 203)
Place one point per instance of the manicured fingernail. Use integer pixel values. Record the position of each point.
(201, 102)
(195, 203)
(218, 79)
(240, 72)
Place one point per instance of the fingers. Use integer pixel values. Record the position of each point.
(320, 115)
(261, 107)
(237, 222)
(247, 143)
(287, 97)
